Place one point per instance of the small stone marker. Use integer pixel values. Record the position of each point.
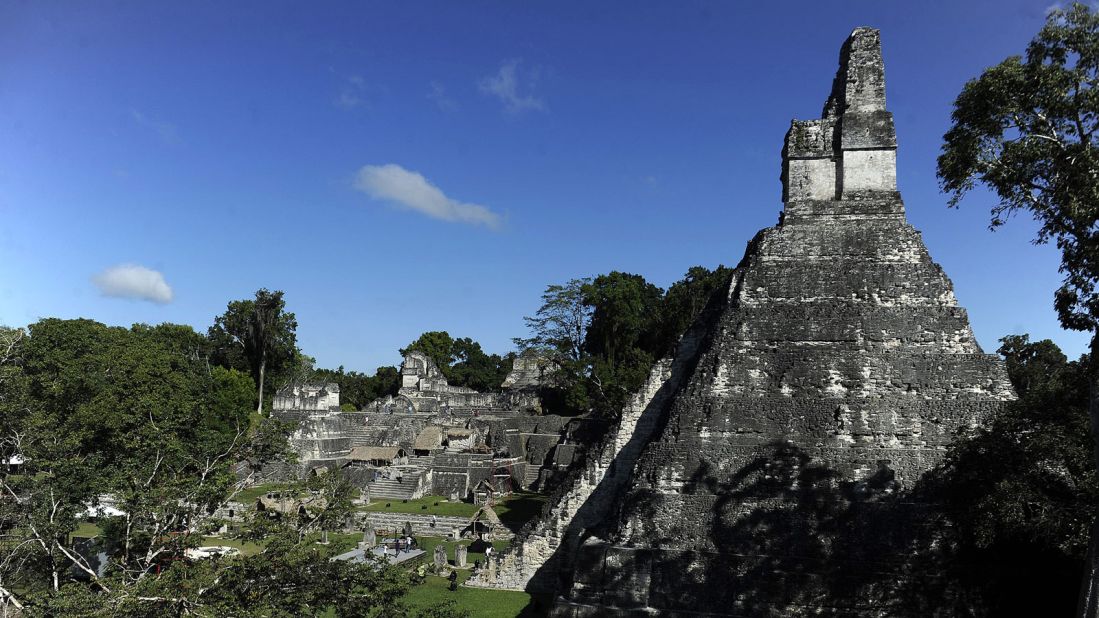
(440, 556)
(460, 556)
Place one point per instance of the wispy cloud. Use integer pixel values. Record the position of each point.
(353, 93)
(442, 100)
(409, 189)
(507, 85)
(165, 130)
(135, 282)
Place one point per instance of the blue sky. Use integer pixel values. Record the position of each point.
(194, 153)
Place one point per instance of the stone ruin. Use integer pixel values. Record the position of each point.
(754, 473)
(424, 388)
(434, 438)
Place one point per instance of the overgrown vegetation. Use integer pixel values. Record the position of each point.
(605, 333)
(1026, 128)
(1022, 492)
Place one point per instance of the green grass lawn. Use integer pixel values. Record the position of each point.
(86, 530)
(481, 603)
(423, 506)
(519, 508)
(428, 543)
(246, 548)
(250, 494)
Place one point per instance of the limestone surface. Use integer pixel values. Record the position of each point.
(834, 372)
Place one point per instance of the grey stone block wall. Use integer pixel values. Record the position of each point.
(839, 370)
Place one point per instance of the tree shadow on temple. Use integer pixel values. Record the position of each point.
(789, 535)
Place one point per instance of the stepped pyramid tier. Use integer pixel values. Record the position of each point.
(761, 470)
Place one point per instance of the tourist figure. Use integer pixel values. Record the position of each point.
(433, 521)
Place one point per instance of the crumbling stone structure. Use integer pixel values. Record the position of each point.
(756, 473)
(426, 389)
(447, 451)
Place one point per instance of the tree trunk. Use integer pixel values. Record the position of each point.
(1089, 589)
(262, 367)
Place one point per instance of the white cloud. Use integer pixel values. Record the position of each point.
(505, 85)
(133, 281)
(411, 190)
(166, 130)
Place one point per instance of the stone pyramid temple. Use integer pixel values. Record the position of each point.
(760, 471)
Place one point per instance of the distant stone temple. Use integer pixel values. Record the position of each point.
(753, 474)
(529, 371)
(424, 388)
(434, 438)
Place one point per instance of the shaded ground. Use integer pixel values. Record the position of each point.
(480, 602)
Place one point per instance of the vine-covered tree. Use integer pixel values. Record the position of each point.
(1026, 128)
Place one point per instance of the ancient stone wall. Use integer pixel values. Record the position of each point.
(545, 549)
(783, 479)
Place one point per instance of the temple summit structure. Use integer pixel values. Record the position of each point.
(757, 472)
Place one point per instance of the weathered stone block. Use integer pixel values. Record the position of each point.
(869, 170)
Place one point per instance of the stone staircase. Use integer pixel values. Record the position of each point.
(531, 476)
(587, 497)
(412, 485)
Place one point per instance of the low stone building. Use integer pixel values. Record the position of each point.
(377, 456)
(374, 447)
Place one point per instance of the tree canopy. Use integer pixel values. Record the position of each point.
(1026, 128)
(257, 335)
(140, 417)
(1022, 491)
(462, 361)
(605, 333)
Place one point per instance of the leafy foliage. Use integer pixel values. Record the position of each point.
(605, 333)
(1026, 128)
(358, 389)
(1022, 491)
(462, 361)
(257, 335)
(141, 416)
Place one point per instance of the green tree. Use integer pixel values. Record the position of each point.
(438, 345)
(260, 335)
(136, 415)
(462, 360)
(1021, 492)
(1026, 128)
(684, 301)
(476, 369)
(621, 337)
(604, 334)
(358, 389)
(561, 323)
